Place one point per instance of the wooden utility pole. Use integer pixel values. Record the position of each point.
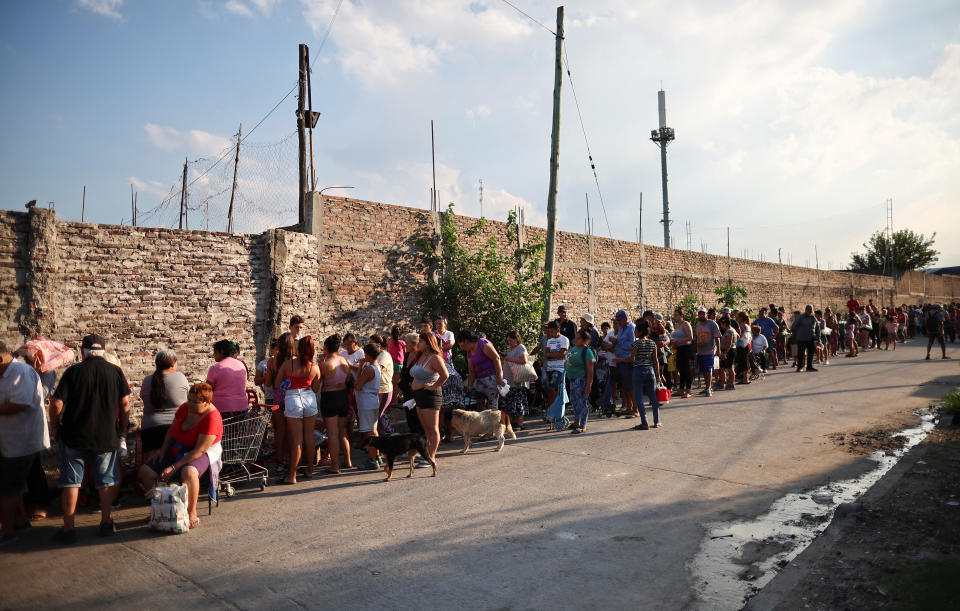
(729, 275)
(816, 255)
(83, 204)
(302, 132)
(780, 259)
(435, 199)
(554, 163)
(313, 177)
(233, 190)
(183, 194)
(133, 206)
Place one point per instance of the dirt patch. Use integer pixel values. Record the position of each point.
(881, 439)
(900, 550)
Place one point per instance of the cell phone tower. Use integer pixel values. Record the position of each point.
(662, 136)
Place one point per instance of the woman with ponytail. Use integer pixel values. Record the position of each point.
(162, 392)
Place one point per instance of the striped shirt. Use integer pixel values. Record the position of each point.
(645, 351)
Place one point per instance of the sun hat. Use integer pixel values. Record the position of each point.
(588, 318)
(702, 309)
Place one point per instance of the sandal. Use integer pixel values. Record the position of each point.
(332, 471)
(38, 514)
(194, 523)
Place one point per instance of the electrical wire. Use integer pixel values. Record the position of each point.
(522, 12)
(229, 151)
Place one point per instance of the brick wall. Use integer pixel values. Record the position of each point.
(145, 288)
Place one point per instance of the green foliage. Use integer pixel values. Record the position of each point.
(951, 403)
(908, 250)
(731, 296)
(689, 304)
(486, 290)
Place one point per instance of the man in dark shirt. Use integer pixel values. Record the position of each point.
(568, 328)
(90, 402)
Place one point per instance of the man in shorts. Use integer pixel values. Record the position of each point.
(23, 434)
(769, 329)
(89, 408)
(622, 347)
(707, 337)
(934, 326)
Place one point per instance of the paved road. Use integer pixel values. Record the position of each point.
(608, 519)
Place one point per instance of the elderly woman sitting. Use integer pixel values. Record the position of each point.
(190, 448)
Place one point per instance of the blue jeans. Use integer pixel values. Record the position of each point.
(103, 464)
(579, 399)
(644, 382)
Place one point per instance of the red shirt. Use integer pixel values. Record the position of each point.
(853, 305)
(211, 424)
(901, 318)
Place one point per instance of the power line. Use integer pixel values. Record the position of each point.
(586, 141)
(522, 12)
(277, 105)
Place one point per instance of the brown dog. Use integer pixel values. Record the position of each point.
(474, 424)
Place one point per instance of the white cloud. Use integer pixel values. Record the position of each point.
(194, 142)
(479, 111)
(265, 6)
(150, 187)
(238, 8)
(107, 8)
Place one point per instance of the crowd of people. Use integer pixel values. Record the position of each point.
(323, 403)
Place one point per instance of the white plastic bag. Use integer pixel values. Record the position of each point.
(168, 508)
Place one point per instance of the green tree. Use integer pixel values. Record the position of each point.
(731, 296)
(486, 290)
(908, 250)
(689, 305)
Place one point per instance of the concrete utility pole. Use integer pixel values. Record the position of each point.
(302, 133)
(183, 194)
(434, 198)
(554, 163)
(233, 189)
(662, 136)
(83, 204)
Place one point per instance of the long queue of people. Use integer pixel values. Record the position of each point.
(320, 402)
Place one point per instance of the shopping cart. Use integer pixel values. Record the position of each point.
(242, 438)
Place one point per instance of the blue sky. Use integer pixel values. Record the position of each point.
(794, 121)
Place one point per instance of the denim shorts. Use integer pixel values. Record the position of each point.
(104, 465)
(300, 403)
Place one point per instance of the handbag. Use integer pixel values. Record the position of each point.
(663, 395)
(523, 373)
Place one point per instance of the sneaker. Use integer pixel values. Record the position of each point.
(6, 539)
(812, 369)
(709, 393)
(65, 537)
(576, 430)
(368, 465)
(705, 392)
(108, 529)
(730, 387)
(642, 427)
(420, 463)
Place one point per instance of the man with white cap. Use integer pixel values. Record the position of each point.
(934, 325)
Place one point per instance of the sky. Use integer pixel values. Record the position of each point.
(795, 122)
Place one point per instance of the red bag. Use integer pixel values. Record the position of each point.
(663, 395)
(50, 354)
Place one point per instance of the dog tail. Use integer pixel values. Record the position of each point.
(509, 430)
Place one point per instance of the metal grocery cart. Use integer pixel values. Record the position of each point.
(242, 438)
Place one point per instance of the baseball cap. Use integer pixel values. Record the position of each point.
(552, 325)
(561, 309)
(702, 309)
(647, 313)
(588, 318)
(658, 316)
(725, 310)
(93, 342)
(620, 314)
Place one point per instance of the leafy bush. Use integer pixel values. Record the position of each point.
(731, 296)
(486, 290)
(951, 403)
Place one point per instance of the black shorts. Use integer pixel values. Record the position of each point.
(13, 474)
(428, 399)
(152, 438)
(726, 362)
(334, 403)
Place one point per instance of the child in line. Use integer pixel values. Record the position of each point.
(759, 347)
(891, 326)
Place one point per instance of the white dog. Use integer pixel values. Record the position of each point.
(474, 424)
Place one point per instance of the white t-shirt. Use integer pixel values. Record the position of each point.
(556, 344)
(447, 337)
(25, 432)
(759, 343)
(354, 358)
